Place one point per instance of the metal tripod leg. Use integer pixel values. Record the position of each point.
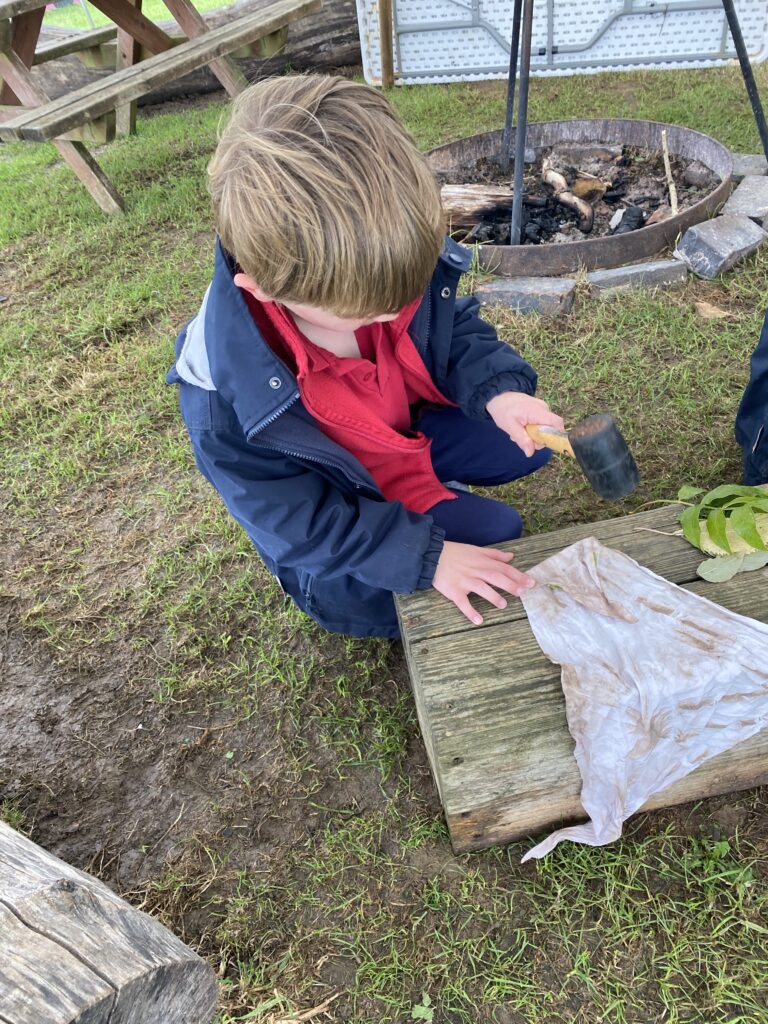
(746, 71)
(522, 121)
(514, 51)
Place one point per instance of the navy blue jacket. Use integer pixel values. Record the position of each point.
(311, 509)
(752, 417)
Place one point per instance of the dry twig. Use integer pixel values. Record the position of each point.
(668, 170)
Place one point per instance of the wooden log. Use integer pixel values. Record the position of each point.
(465, 205)
(72, 952)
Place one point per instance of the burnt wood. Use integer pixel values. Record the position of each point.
(492, 710)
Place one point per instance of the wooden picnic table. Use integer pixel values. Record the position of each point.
(27, 113)
(491, 706)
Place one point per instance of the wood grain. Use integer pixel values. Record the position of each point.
(72, 951)
(491, 707)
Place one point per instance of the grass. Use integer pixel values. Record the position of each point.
(79, 14)
(332, 875)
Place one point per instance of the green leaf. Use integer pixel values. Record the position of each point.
(716, 529)
(689, 520)
(725, 492)
(754, 560)
(424, 1010)
(721, 568)
(686, 493)
(743, 523)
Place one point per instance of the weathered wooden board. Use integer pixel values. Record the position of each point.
(73, 952)
(491, 707)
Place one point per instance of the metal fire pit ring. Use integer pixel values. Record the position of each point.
(553, 259)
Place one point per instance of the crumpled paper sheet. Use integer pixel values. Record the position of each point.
(656, 679)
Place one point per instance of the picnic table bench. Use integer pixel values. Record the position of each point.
(491, 706)
(27, 113)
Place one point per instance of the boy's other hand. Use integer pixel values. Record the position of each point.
(511, 410)
(464, 569)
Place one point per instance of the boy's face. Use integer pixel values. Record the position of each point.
(311, 314)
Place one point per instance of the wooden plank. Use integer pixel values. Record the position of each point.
(11, 8)
(193, 23)
(92, 100)
(492, 710)
(425, 613)
(127, 53)
(129, 18)
(95, 133)
(75, 43)
(24, 33)
(72, 950)
(385, 41)
(74, 153)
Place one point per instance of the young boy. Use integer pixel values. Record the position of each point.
(337, 394)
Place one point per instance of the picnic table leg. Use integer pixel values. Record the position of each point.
(193, 24)
(18, 77)
(128, 53)
(22, 35)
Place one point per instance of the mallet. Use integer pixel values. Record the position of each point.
(598, 447)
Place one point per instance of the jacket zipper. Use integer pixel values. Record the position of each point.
(302, 455)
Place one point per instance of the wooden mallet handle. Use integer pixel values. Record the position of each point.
(552, 438)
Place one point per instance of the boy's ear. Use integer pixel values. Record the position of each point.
(249, 285)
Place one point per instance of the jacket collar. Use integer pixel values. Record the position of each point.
(223, 350)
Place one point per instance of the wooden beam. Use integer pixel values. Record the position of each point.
(132, 21)
(385, 41)
(75, 43)
(491, 705)
(74, 153)
(71, 950)
(96, 98)
(24, 33)
(98, 132)
(193, 23)
(127, 54)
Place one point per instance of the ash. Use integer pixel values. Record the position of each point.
(616, 181)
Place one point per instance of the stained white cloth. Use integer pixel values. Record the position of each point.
(656, 679)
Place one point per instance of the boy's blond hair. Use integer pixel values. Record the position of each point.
(323, 199)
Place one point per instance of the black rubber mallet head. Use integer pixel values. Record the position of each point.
(598, 447)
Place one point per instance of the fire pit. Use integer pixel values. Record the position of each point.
(459, 161)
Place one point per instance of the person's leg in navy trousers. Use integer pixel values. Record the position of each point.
(477, 453)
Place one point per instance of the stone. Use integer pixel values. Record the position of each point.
(749, 198)
(698, 175)
(745, 164)
(716, 245)
(658, 274)
(549, 296)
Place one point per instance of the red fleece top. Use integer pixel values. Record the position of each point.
(364, 404)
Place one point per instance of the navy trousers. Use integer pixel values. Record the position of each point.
(475, 452)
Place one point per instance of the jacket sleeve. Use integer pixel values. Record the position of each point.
(298, 518)
(480, 366)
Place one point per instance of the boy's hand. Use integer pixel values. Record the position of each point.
(464, 569)
(511, 410)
